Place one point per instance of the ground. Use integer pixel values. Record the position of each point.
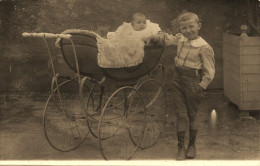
(222, 135)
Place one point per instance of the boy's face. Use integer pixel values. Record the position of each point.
(190, 28)
(139, 23)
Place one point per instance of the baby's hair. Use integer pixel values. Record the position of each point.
(138, 15)
(188, 16)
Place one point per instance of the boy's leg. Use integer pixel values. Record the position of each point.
(193, 98)
(181, 116)
(193, 130)
(192, 111)
(181, 148)
(191, 150)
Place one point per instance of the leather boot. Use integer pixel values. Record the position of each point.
(181, 147)
(191, 150)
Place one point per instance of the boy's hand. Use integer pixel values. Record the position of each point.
(147, 39)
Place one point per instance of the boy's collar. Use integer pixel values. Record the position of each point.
(199, 42)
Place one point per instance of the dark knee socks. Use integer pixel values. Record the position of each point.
(181, 147)
(193, 134)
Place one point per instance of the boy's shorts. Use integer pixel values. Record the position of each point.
(186, 91)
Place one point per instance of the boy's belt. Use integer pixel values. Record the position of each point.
(188, 71)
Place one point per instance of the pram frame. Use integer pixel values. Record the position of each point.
(81, 79)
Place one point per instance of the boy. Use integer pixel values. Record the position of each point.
(195, 69)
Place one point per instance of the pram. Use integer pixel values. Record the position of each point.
(129, 116)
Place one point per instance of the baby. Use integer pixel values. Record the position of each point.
(137, 29)
(139, 22)
(124, 47)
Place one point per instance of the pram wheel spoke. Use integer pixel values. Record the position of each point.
(122, 115)
(91, 102)
(156, 109)
(64, 121)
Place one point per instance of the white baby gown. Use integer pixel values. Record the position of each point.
(124, 47)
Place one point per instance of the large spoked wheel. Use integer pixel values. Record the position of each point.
(123, 113)
(156, 109)
(91, 101)
(64, 121)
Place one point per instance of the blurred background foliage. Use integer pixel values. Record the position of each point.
(24, 63)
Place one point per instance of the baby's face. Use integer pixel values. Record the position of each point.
(139, 23)
(190, 28)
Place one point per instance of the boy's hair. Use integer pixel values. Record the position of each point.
(138, 15)
(188, 16)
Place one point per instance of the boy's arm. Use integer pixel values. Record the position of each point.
(208, 61)
(160, 37)
(172, 40)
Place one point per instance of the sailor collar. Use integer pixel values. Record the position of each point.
(199, 42)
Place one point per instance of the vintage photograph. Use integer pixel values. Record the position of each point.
(130, 82)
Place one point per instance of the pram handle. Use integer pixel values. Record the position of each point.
(46, 35)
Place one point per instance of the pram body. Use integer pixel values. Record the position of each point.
(87, 50)
(130, 113)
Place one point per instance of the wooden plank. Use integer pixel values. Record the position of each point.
(233, 97)
(232, 89)
(231, 82)
(252, 69)
(232, 39)
(229, 78)
(229, 45)
(249, 77)
(230, 49)
(234, 76)
(251, 86)
(251, 96)
(229, 74)
(232, 65)
(249, 50)
(251, 41)
(253, 59)
(232, 60)
(252, 105)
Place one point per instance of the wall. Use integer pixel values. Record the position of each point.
(24, 63)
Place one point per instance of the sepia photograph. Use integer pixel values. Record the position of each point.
(130, 82)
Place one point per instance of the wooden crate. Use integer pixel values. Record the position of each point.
(241, 58)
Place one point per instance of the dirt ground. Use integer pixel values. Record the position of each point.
(223, 136)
